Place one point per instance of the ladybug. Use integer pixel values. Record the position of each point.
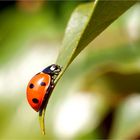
(41, 85)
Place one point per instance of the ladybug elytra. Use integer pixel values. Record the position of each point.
(41, 85)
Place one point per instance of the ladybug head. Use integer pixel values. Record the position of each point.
(52, 69)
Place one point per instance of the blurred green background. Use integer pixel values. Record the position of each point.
(98, 96)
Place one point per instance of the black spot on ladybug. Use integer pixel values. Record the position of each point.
(31, 85)
(43, 84)
(35, 100)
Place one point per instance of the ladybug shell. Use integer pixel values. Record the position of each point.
(36, 90)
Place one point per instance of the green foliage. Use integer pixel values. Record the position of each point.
(86, 23)
(19, 28)
(108, 71)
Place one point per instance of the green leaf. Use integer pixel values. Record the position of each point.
(86, 23)
(41, 121)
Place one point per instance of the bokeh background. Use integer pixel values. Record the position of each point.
(98, 96)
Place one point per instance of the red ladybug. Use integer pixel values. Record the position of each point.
(40, 86)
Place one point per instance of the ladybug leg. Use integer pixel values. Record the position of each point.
(52, 86)
(52, 83)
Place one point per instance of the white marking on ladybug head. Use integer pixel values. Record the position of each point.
(52, 68)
